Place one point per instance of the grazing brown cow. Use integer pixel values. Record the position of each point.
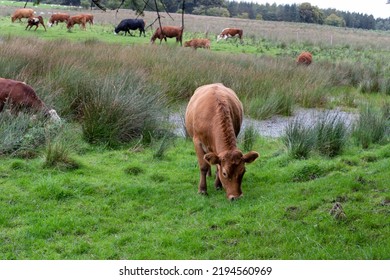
(21, 96)
(230, 32)
(198, 43)
(89, 18)
(22, 13)
(168, 31)
(58, 17)
(35, 21)
(213, 120)
(78, 19)
(305, 58)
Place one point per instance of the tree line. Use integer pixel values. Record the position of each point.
(304, 12)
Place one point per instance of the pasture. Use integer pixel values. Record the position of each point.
(113, 181)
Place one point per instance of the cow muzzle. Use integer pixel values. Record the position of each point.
(232, 197)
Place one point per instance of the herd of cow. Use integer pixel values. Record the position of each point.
(125, 26)
(213, 116)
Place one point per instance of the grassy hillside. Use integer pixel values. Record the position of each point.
(112, 181)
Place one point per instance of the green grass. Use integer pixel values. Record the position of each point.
(86, 200)
(130, 205)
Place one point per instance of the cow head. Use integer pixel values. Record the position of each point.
(231, 169)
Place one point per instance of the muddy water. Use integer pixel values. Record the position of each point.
(276, 126)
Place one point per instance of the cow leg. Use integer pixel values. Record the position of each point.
(217, 182)
(204, 167)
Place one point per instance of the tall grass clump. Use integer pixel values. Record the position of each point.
(264, 107)
(248, 138)
(58, 156)
(331, 134)
(163, 145)
(23, 135)
(298, 139)
(120, 111)
(372, 126)
(328, 136)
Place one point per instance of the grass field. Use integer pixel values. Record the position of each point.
(113, 182)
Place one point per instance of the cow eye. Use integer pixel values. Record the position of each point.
(224, 174)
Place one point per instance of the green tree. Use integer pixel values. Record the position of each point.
(310, 14)
(335, 20)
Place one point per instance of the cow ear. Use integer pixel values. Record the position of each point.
(211, 158)
(250, 157)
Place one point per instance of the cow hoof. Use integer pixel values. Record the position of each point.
(203, 192)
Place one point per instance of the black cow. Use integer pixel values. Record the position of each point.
(131, 24)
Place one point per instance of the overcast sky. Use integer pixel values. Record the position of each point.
(377, 8)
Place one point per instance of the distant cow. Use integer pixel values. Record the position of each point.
(88, 18)
(22, 13)
(230, 32)
(21, 96)
(198, 43)
(213, 119)
(58, 17)
(305, 58)
(131, 24)
(77, 19)
(168, 32)
(35, 21)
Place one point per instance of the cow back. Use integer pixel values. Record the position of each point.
(214, 113)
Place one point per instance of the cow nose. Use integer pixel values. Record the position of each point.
(233, 197)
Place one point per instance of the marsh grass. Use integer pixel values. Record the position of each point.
(331, 134)
(327, 136)
(23, 135)
(298, 139)
(58, 156)
(248, 138)
(372, 126)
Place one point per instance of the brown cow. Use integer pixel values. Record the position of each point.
(58, 17)
(77, 19)
(213, 120)
(22, 13)
(89, 18)
(198, 43)
(35, 21)
(21, 96)
(168, 31)
(305, 58)
(230, 32)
